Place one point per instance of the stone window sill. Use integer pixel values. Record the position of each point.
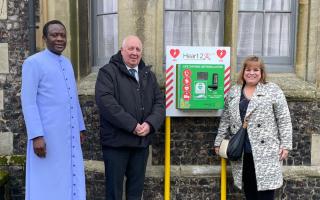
(294, 88)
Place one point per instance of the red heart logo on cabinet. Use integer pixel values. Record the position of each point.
(174, 52)
(221, 53)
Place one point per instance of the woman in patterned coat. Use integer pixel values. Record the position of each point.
(269, 132)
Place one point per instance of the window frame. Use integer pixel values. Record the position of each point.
(191, 10)
(94, 28)
(277, 64)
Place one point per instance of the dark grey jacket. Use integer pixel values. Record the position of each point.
(123, 102)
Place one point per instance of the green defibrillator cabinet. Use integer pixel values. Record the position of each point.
(200, 86)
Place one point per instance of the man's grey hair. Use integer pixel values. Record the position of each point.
(128, 37)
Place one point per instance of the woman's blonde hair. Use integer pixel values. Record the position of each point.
(241, 80)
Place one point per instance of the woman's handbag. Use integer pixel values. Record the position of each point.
(232, 148)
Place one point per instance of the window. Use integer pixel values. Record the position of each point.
(105, 31)
(267, 29)
(194, 22)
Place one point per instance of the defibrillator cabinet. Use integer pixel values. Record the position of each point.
(200, 86)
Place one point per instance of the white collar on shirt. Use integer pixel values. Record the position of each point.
(136, 68)
(136, 74)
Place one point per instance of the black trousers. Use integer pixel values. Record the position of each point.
(250, 182)
(125, 161)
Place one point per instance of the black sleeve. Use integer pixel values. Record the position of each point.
(156, 118)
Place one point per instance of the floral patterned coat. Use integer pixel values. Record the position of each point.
(269, 129)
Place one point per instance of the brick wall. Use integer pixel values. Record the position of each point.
(191, 144)
(192, 138)
(14, 43)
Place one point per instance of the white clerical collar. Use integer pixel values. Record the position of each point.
(52, 53)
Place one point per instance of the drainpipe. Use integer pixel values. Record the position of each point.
(32, 27)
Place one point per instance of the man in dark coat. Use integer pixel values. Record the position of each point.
(131, 108)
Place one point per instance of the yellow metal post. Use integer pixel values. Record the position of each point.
(167, 160)
(223, 179)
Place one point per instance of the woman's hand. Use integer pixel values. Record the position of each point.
(283, 153)
(216, 150)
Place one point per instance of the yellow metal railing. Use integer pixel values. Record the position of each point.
(167, 166)
(223, 179)
(167, 160)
